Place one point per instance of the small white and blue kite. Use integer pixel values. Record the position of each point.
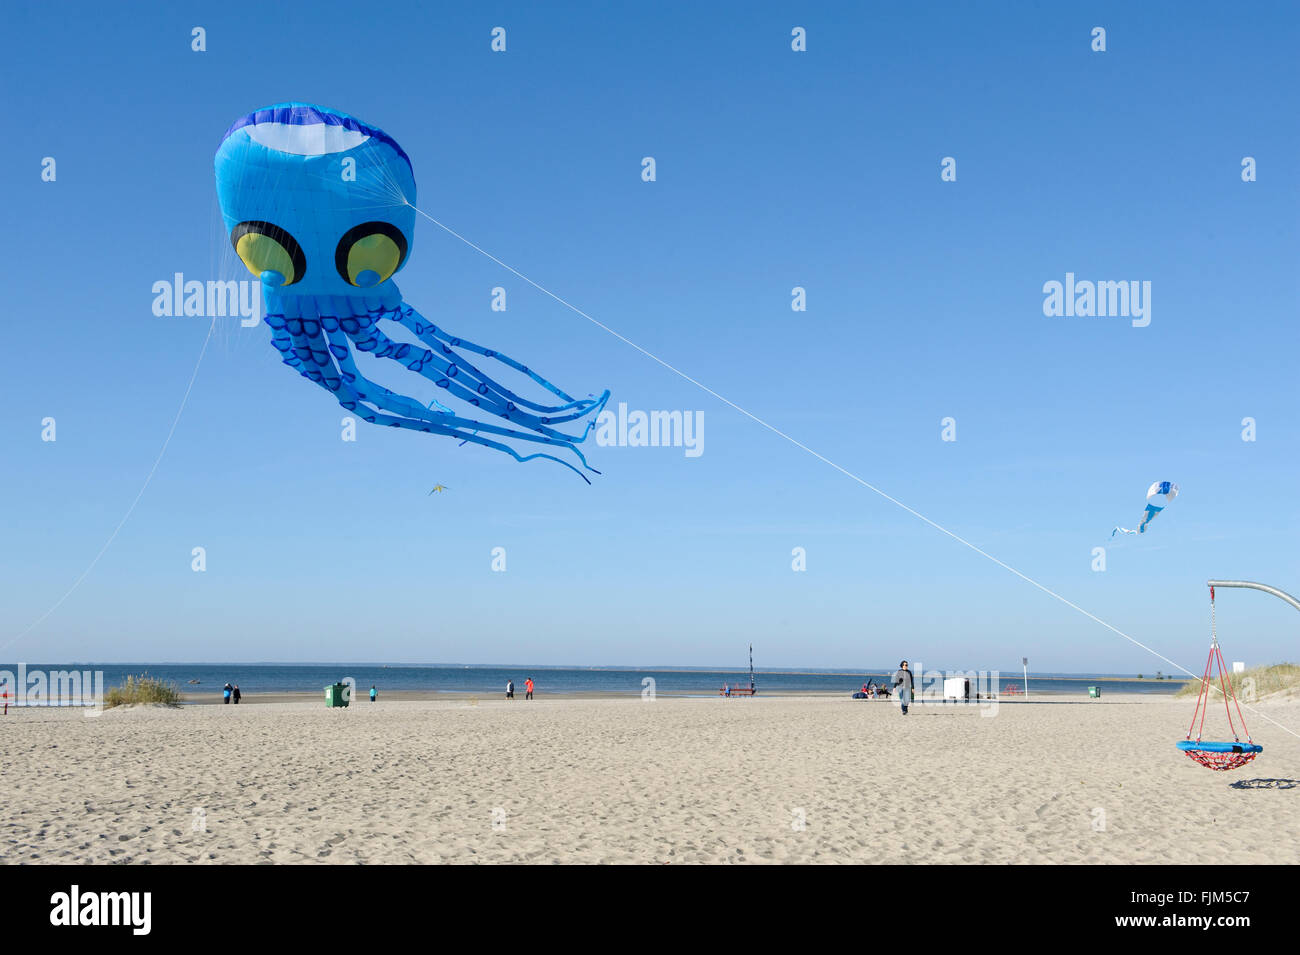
(1158, 497)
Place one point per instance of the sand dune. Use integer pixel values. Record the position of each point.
(765, 780)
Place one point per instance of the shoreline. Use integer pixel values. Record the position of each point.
(465, 696)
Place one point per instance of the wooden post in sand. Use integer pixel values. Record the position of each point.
(1024, 662)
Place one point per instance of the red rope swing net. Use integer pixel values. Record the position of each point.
(1218, 755)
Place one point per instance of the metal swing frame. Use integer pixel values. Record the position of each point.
(1222, 756)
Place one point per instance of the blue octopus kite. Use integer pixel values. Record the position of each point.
(321, 207)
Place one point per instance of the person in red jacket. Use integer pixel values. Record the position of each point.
(528, 688)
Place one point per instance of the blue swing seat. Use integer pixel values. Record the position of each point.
(1188, 745)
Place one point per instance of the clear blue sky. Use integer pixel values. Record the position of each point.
(775, 169)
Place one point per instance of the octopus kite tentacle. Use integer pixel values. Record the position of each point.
(432, 336)
(317, 349)
(462, 380)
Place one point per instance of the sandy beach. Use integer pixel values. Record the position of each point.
(800, 779)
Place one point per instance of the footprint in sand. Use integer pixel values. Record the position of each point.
(1047, 805)
(328, 845)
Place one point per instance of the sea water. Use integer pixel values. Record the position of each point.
(482, 680)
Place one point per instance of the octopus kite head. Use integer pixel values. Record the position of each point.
(317, 203)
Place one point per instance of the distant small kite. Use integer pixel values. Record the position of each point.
(1158, 497)
(437, 488)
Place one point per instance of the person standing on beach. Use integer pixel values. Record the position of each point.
(234, 694)
(225, 693)
(528, 688)
(903, 680)
(373, 693)
(510, 689)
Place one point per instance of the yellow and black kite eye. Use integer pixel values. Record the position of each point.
(370, 254)
(268, 248)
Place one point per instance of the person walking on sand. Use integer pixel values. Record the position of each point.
(225, 693)
(528, 688)
(903, 680)
(510, 689)
(373, 693)
(234, 694)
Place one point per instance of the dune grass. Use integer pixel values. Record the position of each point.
(1253, 683)
(143, 689)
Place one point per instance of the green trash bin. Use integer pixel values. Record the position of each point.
(1094, 692)
(336, 695)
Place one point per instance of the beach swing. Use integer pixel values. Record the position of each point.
(1214, 755)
